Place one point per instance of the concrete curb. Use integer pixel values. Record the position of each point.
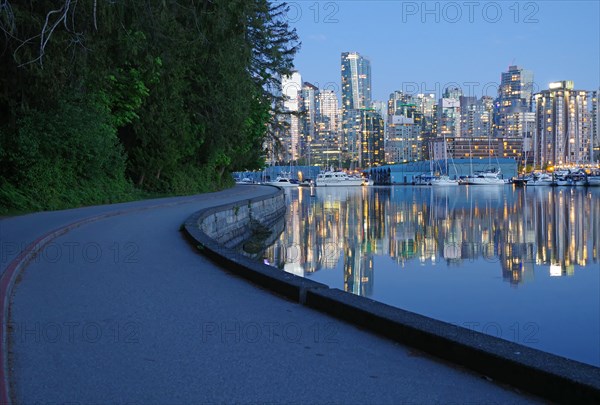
(549, 376)
(286, 284)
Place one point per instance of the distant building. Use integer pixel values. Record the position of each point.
(404, 141)
(309, 116)
(371, 151)
(356, 95)
(514, 98)
(426, 104)
(564, 126)
(479, 148)
(291, 87)
(594, 97)
(327, 106)
(325, 147)
(356, 81)
(477, 118)
(448, 114)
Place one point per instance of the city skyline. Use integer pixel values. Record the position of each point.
(410, 127)
(419, 49)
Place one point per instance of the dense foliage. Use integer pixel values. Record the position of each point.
(102, 98)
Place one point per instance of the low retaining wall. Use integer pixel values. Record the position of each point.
(546, 375)
(231, 224)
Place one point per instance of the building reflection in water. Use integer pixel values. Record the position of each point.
(548, 229)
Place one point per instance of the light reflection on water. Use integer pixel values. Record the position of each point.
(521, 264)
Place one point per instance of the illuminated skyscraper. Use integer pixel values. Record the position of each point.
(291, 87)
(514, 99)
(327, 105)
(308, 118)
(404, 143)
(356, 81)
(563, 130)
(594, 96)
(324, 147)
(371, 151)
(356, 95)
(448, 113)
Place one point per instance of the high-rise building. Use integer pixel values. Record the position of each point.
(356, 81)
(309, 117)
(404, 142)
(327, 107)
(476, 118)
(371, 151)
(514, 98)
(356, 96)
(427, 106)
(382, 109)
(325, 147)
(594, 97)
(448, 113)
(563, 126)
(291, 87)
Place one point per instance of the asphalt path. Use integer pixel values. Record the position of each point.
(121, 309)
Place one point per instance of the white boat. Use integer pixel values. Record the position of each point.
(486, 178)
(539, 179)
(443, 181)
(245, 180)
(337, 179)
(561, 178)
(283, 180)
(423, 179)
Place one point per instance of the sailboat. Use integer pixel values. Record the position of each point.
(443, 180)
(489, 177)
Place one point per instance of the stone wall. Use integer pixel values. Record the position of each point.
(230, 225)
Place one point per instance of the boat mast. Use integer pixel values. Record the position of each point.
(446, 153)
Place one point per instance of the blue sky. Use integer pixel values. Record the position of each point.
(428, 45)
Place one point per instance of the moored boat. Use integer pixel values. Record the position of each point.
(332, 178)
(283, 180)
(443, 181)
(490, 177)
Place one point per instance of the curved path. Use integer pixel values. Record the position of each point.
(122, 310)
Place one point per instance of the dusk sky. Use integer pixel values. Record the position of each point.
(428, 45)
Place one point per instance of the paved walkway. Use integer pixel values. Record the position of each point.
(123, 310)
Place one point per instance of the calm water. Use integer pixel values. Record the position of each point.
(519, 264)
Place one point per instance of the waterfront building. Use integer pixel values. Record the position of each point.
(514, 98)
(594, 97)
(291, 87)
(356, 81)
(448, 113)
(404, 142)
(479, 148)
(371, 149)
(328, 111)
(426, 105)
(356, 95)
(405, 173)
(477, 116)
(466, 103)
(381, 108)
(308, 118)
(404, 139)
(563, 126)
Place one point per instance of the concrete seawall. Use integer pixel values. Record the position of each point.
(231, 224)
(215, 230)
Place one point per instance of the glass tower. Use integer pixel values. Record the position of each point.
(514, 99)
(356, 96)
